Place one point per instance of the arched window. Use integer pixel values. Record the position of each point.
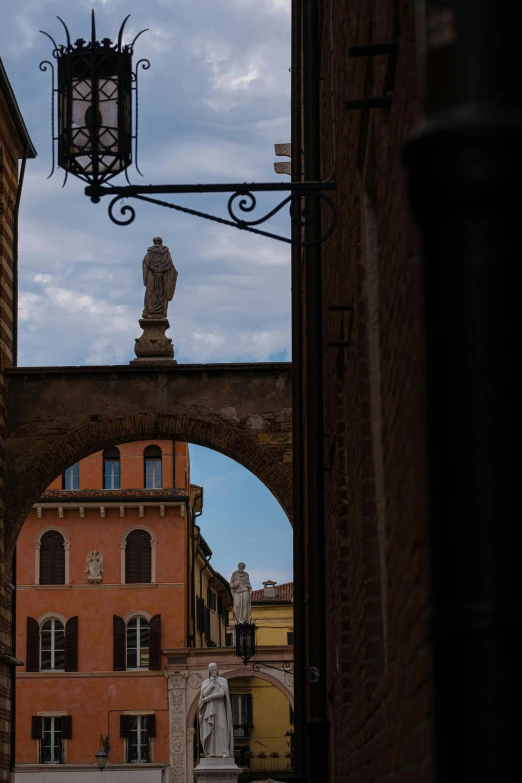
(52, 559)
(71, 477)
(111, 468)
(137, 643)
(52, 645)
(138, 557)
(152, 457)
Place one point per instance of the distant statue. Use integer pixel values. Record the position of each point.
(216, 723)
(241, 594)
(94, 566)
(159, 278)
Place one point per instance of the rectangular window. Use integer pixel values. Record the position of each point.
(138, 643)
(138, 744)
(242, 713)
(290, 637)
(52, 645)
(229, 639)
(111, 474)
(152, 474)
(51, 744)
(71, 477)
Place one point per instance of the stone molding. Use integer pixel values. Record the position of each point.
(50, 616)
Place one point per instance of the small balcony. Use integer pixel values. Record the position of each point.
(51, 754)
(242, 730)
(256, 767)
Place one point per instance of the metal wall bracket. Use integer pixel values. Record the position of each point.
(288, 666)
(241, 200)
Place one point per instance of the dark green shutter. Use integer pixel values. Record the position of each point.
(71, 644)
(32, 653)
(118, 641)
(66, 727)
(151, 725)
(125, 726)
(155, 643)
(36, 727)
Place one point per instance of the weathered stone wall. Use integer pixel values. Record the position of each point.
(376, 527)
(10, 149)
(59, 415)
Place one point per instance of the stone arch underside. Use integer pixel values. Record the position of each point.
(57, 416)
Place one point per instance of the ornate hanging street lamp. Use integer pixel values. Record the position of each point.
(245, 641)
(103, 753)
(97, 139)
(246, 649)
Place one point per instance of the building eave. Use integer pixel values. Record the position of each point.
(16, 114)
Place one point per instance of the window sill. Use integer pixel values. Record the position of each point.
(110, 765)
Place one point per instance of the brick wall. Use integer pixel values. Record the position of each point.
(11, 149)
(376, 527)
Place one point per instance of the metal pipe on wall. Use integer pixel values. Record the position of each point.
(15, 253)
(300, 679)
(318, 725)
(462, 160)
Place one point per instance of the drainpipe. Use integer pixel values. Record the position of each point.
(318, 726)
(13, 668)
(190, 559)
(15, 254)
(194, 608)
(462, 160)
(207, 560)
(300, 680)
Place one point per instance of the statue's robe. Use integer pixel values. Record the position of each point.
(159, 278)
(215, 720)
(241, 596)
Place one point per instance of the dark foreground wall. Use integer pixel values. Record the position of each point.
(377, 603)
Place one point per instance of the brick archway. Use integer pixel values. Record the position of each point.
(57, 416)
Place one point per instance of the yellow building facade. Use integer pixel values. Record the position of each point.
(263, 718)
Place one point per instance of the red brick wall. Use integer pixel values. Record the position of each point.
(9, 152)
(376, 527)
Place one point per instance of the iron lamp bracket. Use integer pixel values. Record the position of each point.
(241, 203)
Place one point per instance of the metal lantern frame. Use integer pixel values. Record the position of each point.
(103, 754)
(92, 97)
(246, 649)
(245, 641)
(96, 152)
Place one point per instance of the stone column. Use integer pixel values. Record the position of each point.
(177, 686)
(191, 735)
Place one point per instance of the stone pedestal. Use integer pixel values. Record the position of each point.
(154, 347)
(217, 770)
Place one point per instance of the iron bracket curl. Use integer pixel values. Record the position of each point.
(242, 201)
(288, 666)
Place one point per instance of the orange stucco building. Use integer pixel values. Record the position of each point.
(106, 565)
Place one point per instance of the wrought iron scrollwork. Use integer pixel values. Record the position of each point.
(44, 66)
(145, 64)
(287, 666)
(240, 201)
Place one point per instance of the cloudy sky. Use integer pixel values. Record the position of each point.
(212, 105)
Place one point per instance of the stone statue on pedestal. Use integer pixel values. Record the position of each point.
(159, 278)
(241, 594)
(215, 716)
